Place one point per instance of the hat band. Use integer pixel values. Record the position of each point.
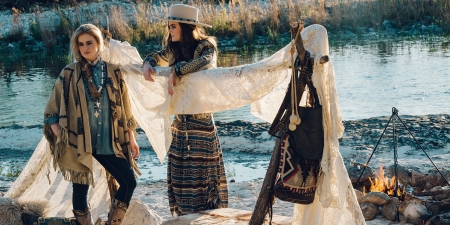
(181, 19)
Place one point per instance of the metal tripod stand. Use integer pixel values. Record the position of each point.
(393, 118)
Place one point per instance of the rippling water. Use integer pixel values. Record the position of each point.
(371, 78)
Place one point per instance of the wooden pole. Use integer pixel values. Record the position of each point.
(266, 196)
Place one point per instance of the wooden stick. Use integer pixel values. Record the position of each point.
(266, 196)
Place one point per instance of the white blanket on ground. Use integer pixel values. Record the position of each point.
(262, 84)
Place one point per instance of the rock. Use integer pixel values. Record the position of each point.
(445, 216)
(139, 213)
(438, 207)
(414, 212)
(402, 206)
(377, 198)
(359, 196)
(439, 220)
(369, 210)
(355, 171)
(434, 179)
(390, 210)
(404, 176)
(418, 179)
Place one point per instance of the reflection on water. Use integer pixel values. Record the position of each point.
(371, 77)
(409, 75)
(25, 85)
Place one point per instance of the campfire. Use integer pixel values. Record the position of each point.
(382, 183)
(421, 198)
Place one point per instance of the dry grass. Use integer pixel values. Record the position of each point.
(16, 25)
(244, 19)
(118, 27)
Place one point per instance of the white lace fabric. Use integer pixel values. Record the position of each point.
(262, 84)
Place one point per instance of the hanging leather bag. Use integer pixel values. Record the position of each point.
(301, 147)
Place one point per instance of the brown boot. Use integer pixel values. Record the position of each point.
(83, 218)
(116, 212)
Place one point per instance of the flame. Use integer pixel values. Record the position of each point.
(381, 183)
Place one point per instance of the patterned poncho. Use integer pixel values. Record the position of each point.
(72, 148)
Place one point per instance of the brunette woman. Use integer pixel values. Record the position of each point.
(195, 172)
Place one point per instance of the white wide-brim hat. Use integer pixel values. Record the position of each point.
(182, 13)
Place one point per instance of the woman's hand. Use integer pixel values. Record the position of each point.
(172, 82)
(148, 72)
(133, 145)
(55, 129)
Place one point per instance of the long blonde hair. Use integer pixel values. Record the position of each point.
(85, 29)
(76, 55)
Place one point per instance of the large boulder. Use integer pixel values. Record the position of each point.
(404, 176)
(354, 172)
(139, 213)
(369, 210)
(359, 196)
(377, 198)
(435, 179)
(418, 179)
(415, 213)
(390, 210)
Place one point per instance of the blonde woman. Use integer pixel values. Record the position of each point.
(88, 115)
(195, 170)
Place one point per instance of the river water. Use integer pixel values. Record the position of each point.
(371, 78)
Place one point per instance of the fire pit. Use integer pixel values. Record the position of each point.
(413, 203)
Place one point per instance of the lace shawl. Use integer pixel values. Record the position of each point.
(262, 84)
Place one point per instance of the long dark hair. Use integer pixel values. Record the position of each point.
(183, 50)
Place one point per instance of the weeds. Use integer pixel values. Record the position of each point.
(14, 171)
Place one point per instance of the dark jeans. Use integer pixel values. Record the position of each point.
(120, 169)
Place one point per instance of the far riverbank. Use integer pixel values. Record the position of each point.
(46, 28)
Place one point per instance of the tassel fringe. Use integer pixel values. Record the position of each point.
(79, 177)
(57, 143)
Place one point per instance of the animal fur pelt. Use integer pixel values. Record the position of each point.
(20, 212)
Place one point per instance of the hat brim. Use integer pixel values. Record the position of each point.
(188, 22)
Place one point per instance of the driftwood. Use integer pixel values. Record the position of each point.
(266, 196)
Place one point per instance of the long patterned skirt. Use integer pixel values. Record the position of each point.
(195, 171)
